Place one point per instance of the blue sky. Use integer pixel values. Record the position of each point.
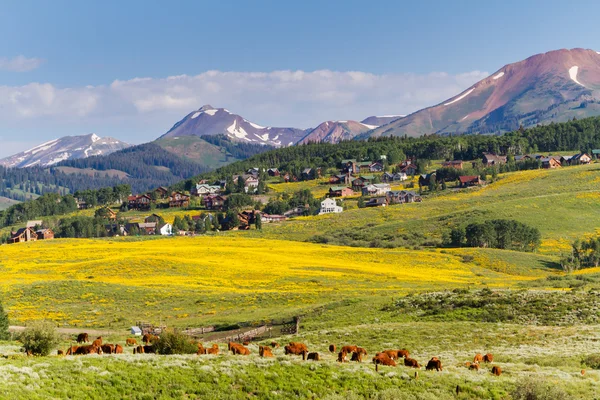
(69, 68)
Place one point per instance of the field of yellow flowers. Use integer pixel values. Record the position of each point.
(106, 282)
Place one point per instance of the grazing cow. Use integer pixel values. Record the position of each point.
(488, 358)
(241, 350)
(434, 363)
(274, 344)
(349, 349)
(230, 345)
(265, 351)
(149, 349)
(60, 353)
(342, 356)
(148, 338)
(201, 349)
(356, 356)
(118, 349)
(213, 350)
(97, 342)
(383, 359)
(246, 343)
(313, 356)
(138, 350)
(131, 342)
(474, 366)
(82, 338)
(403, 353)
(88, 349)
(108, 348)
(393, 354)
(71, 350)
(411, 362)
(478, 358)
(332, 348)
(362, 351)
(295, 348)
(496, 370)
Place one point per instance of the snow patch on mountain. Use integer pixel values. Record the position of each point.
(468, 92)
(498, 75)
(573, 75)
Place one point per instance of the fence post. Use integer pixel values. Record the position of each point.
(297, 321)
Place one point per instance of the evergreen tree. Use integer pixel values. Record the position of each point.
(4, 335)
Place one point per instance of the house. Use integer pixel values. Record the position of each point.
(329, 206)
(34, 224)
(115, 230)
(340, 191)
(491, 159)
(23, 235)
(273, 172)
(582, 158)
(409, 169)
(135, 331)
(424, 179)
(361, 181)
(311, 173)
(107, 213)
(222, 183)
(458, 164)
(295, 212)
(377, 202)
(268, 218)
(523, 157)
(253, 171)
(139, 202)
(376, 189)
(471, 180)
(550, 163)
(339, 179)
(178, 199)
(165, 230)
(402, 196)
(396, 177)
(349, 166)
(202, 189)
(566, 160)
(82, 204)
(149, 228)
(214, 202)
(364, 166)
(250, 182)
(162, 192)
(376, 167)
(596, 153)
(45, 234)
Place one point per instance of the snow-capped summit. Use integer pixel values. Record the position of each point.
(336, 131)
(65, 148)
(208, 120)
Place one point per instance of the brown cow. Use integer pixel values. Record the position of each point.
(411, 362)
(349, 349)
(274, 344)
(241, 350)
(246, 343)
(201, 349)
(332, 348)
(82, 338)
(356, 356)
(149, 349)
(488, 358)
(342, 357)
(88, 349)
(393, 354)
(313, 356)
(295, 348)
(478, 358)
(138, 350)
(213, 350)
(131, 342)
(474, 366)
(383, 359)
(71, 350)
(60, 353)
(118, 349)
(108, 348)
(496, 370)
(148, 338)
(434, 363)
(362, 351)
(403, 353)
(265, 351)
(97, 342)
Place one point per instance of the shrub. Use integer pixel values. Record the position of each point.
(3, 324)
(39, 338)
(175, 343)
(535, 389)
(592, 361)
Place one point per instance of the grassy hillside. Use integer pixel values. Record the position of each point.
(198, 150)
(5, 202)
(563, 204)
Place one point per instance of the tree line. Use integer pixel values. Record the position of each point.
(498, 234)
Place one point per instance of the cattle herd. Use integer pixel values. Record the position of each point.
(356, 353)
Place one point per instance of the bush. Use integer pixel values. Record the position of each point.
(592, 361)
(535, 389)
(39, 338)
(175, 343)
(3, 324)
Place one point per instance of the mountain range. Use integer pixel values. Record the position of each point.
(65, 148)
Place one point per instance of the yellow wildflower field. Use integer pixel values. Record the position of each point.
(190, 278)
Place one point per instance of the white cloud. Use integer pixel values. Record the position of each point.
(20, 63)
(279, 98)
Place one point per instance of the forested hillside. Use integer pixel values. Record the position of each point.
(582, 135)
